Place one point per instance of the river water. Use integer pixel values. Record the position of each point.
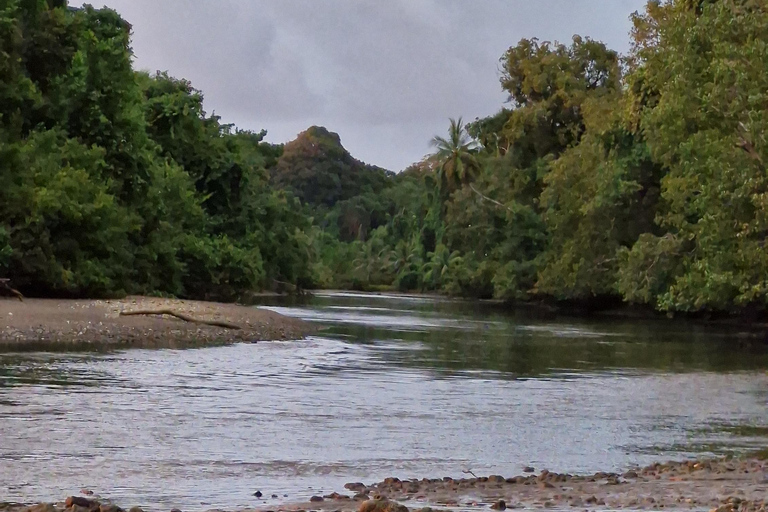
(391, 386)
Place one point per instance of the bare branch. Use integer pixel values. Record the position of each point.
(483, 196)
(4, 283)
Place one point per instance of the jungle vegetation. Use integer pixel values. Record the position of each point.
(605, 179)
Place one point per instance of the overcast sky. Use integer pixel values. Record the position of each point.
(385, 74)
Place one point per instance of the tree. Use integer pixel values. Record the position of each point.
(699, 88)
(457, 163)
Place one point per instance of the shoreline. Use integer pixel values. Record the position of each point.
(718, 485)
(63, 324)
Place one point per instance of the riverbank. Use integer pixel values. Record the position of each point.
(719, 485)
(72, 324)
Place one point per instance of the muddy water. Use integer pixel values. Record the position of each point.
(401, 386)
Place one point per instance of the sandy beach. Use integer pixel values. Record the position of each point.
(69, 324)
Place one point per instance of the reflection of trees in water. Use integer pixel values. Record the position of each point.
(549, 349)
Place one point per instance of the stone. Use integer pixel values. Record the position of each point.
(135, 509)
(316, 499)
(109, 507)
(360, 496)
(383, 505)
(42, 507)
(528, 469)
(258, 494)
(354, 486)
(499, 505)
(79, 501)
(546, 485)
(630, 474)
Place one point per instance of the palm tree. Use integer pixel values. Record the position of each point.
(457, 163)
(367, 261)
(440, 265)
(405, 256)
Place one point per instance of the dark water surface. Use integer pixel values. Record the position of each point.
(393, 386)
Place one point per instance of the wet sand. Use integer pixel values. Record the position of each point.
(718, 485)
(68, 324)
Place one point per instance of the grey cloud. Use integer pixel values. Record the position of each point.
(385, 75)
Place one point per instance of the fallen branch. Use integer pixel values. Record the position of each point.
(483, 196)
(468, 472)
(181, 316)
(4, 283)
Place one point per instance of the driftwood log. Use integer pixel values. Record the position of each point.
(181, 316)
(5, 285)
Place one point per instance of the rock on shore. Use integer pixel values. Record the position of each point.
(717, 485)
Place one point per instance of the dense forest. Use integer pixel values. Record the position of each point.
(605, 179)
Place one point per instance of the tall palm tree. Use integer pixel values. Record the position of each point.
(457, 163)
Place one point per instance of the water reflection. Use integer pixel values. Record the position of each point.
(392, 386)
(453, 336)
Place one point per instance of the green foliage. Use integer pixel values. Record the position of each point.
(642, 180)
(67, 232)
(705, 73)
(648, 186)
(115, 182)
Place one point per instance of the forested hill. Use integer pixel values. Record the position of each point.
(605, 179)
(317, 169)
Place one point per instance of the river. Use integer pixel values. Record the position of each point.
(391, 386)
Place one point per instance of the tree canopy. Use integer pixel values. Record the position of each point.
(604, 178)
